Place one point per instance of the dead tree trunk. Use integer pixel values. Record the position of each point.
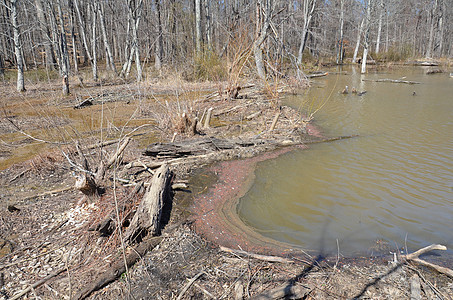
(147, 218)
(50, 57)
(110, 60)
(261, 33)
(308, 9)
(357, 45)
(159, 42)
(17, 48)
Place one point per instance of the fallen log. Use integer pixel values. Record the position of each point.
(196, 147)
(392, 81)
(147, 218)
(118, 268)
(317, 74)
(414, 257)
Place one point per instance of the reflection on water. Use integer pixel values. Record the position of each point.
(392, 185)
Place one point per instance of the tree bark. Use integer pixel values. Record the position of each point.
(17, 48)
(262, 34)
(94, 65)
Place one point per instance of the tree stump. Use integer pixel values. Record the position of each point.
(147, 218)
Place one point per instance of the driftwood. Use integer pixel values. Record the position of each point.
(317, 74)
(392, 81)
(147, 218)
(287, 291)
(434, 71)
(256, 256)
(414, 257)
(118, 268)
(196, 147)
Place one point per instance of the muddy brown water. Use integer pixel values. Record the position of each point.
(390, 187)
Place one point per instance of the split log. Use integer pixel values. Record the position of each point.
(392, 81)
(118, 268)
(114, 158)
(147, 218)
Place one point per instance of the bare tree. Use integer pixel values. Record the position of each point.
(307, 11)
(17, 47)
(367, 36)
(198, 37)
(263, 21)
(159, 42)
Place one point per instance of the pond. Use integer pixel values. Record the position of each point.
(392, 186)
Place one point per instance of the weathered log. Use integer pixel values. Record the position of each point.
(196, 147)
(317, 74)
(147, 218)
(392, 81)
(434, 71)
(118, 268)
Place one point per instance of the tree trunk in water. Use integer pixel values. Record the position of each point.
(357, 45)
(367, 36)
(17, 48)
(198, 37)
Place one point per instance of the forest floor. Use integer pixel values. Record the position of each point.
(51, 246)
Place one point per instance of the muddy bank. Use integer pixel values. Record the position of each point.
(51, 232)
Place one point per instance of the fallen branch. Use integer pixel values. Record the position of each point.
(414, 257)
(256, 256)
(118, 268)
(187, 286)
(392, 81)
(38, 283)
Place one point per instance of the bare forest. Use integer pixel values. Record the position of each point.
(137, 38)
